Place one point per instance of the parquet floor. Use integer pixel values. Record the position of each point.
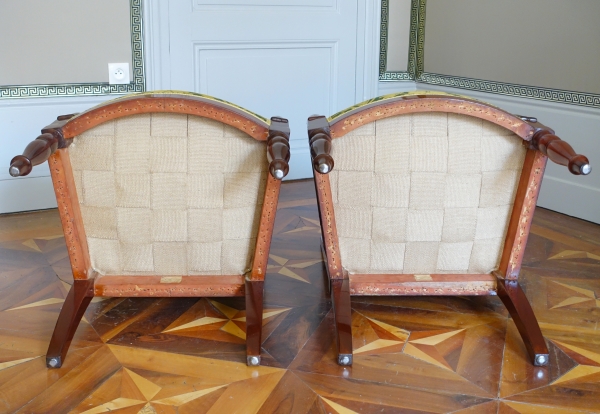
(412, 355)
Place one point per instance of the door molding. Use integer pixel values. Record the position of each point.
(331, 45)
(156, 47)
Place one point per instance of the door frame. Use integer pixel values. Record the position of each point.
(157, 57)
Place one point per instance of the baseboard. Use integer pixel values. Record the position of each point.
(575, 200)
(26, 194)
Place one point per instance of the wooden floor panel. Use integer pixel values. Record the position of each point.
(412, 354)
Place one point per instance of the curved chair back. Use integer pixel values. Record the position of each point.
(424, 193)
(163, 194)
(428, 193)
(169, 194)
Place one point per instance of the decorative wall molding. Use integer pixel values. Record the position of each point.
(303, 5)
(99, 88)
(416, 69)
(410, 73)
(200, 48)
(511, 89)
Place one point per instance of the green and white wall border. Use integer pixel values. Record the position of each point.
(100, 88)
(417, 16)
(416, 68)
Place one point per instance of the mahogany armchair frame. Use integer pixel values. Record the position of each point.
(52, 145)
(541, 144)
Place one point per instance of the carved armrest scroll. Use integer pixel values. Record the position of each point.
(278, 147)
(40, 149)
(319, 138)
(560, 152)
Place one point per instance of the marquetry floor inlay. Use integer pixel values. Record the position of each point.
(411, 355)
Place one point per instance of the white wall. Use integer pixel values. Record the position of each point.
(56, 42)
(386, 88)
(461, 39)
(577, 196)
(62, 41)
(21, 121)
(545, 43)
(398, 35)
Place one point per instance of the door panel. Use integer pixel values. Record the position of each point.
(274, 89)
(289, 58)
(202, 4)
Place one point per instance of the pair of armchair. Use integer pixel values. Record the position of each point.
(175, 194)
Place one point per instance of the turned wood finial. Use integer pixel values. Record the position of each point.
(319, 138)
(35, 153)
(560, 152)
(40, 149)
(278, 147)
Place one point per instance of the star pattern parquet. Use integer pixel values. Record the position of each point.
(411, 354)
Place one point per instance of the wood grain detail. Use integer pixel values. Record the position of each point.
(520, 310)
(151, 286)
(328, 227)
(560, 152)
(70, 215)
(148, 104)
(72, 311)
(254, 316)
(411, 285)
(340, 296)
(414, 104)
(522, 213)
(416, 354)
(265, 229)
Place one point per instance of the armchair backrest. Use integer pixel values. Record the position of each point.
(169, 194)
(424, 193)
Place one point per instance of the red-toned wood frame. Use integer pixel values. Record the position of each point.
(541, 143)
(51, 146)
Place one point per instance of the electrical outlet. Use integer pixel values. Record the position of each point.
(118, 73)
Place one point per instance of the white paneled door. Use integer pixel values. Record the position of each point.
(289, 58)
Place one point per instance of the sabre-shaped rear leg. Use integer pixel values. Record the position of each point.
(518, 306)
(77, 301)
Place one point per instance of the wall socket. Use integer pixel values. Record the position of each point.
(118, 73)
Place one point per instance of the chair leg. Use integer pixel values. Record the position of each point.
(254, 315)
(518, 306)
(340, 295)
(327, 276)
(77, 301)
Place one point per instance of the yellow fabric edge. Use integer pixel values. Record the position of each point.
(391, 96)
(182, 94)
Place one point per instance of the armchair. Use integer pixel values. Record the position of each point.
(163, 194)
(428, 193)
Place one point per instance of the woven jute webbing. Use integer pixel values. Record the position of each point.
(169, 194)
(424, 193)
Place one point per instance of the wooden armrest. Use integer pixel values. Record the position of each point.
(319, 138)
(560, 152)
(40, 149)
(35, 153)
(278, 147)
